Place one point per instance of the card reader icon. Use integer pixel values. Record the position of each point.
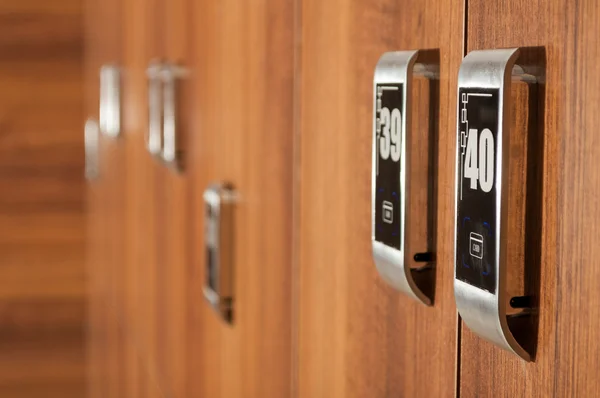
(388, 212)
(476, 245)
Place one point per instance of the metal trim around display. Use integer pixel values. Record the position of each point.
(482, 306)
(396, 69)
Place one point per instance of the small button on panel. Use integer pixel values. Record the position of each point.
(476, 245)
(476, 248)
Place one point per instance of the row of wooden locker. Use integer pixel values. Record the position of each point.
(278, 101)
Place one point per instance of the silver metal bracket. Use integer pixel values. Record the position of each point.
(482, 160)
(155, 108)
(219, 233)
(165, 136)
(91, 138)
(110, 101)
(391, 182)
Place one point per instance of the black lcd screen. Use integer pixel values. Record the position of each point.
(477, 187)
(388, 147)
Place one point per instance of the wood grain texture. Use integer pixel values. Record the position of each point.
(144, 269)
(358, 337)
(42, 294)
(106, 221)
(567, 350)
(139, 249)
(243, 134)
(33, 30)
(174, 214)
(142, 43)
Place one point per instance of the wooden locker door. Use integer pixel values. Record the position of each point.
(105, 250)
(143, 43)
(243, 134)
(566, 361)
(174, 209)
(358, 337)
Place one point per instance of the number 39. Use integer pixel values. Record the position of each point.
(484, 168)
(389, 142)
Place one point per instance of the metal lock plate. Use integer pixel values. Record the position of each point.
(219, 233)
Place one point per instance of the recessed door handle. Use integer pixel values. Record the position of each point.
(91, 141)
(173, 135)
(392, 186)
(219, 233)
(155, 108)
(482, 160)
(110, 101)
(165, 136)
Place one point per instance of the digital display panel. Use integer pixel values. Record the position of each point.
(477, 187)
(388, 146)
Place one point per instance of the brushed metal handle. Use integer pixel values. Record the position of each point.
(165, 136)
(482, 169)
(219, 242)
(173, 135)
(155, 108)
(110, 101)
(391, 182)
(91, 139)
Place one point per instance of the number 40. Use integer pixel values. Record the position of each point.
(484, 168)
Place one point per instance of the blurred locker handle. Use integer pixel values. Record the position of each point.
(172, 138)
(110, 101)
(155, 109)
(219, 199)
(164, 130)
(91, 147)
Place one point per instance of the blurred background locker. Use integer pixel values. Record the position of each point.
(102, 282)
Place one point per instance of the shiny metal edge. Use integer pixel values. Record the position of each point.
(395, 67)
(169, 149)
(110, 101)
(217, 195)
(211, 296)
(91, 139)
(171, 74)
(154, 134)
(484, 312)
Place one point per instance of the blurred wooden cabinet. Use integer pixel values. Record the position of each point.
(152, 333)
(277, 101)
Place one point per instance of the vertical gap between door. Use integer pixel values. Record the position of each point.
(458, 354)
(458, 319)
(296, 221)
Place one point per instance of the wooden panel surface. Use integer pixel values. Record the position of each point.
(358, 337)
(142, 43)
(136, 276)
(566, 363)
(243, 134)
(105, 217)
(138, 254)
(174, 212)
(42, 293)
